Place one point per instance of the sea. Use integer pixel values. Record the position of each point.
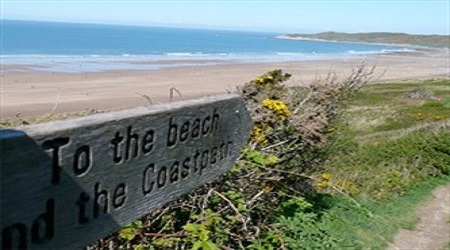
(75, 47)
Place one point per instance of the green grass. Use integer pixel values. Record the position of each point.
(384, 107)
(447, 247)
(386, 167)
(388, 154)
(446, 101)
(374, 224)
(407, 143)
(332, 222)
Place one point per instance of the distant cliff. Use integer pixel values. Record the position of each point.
(438, 41)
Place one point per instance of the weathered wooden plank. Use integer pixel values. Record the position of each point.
(66, 184)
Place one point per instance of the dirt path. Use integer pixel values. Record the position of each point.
(433, 230)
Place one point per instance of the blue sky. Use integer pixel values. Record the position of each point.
(420, 17)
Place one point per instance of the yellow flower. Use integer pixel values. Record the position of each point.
(322, 184)
(272, 159)
(278, 107)
(266, 78)
(326, 176)
(258, 134)
(267, 189)
(260, 79)
(346, 185)
(439, 117)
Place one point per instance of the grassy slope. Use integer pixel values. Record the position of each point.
(394, 152)
(388, 38)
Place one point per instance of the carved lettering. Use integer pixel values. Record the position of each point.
(119, 196)
(186, 168)
(131, 145)
(101, 198)
(147, 182)
(88, 177)
(102, 202)
(115, 144)
(148, 142)
(196, 128)
(44, 221)
(55, 145)
(82, 160)
(42, 230)
(204, 161)
(174, 172)
(185, 130)
(10, 234)
(135, 145)
(82, 207)
(162, 176)
(156, 177)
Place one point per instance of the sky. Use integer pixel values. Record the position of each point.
(417, 17)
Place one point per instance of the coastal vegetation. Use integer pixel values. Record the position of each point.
(337, 165)
(337, 155)
(437, 41)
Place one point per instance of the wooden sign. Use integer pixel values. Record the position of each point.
(66, 184)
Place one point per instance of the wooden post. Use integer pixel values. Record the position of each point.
(65, 184)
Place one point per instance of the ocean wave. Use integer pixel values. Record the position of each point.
(382, 51)
(184, 55)
(97, 62)
(194, 54)
(290, 54)
(124, 61)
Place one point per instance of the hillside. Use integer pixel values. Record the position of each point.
(437, 41)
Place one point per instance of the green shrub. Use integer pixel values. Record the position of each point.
(298, 147)
(304, 227)
(240, 210)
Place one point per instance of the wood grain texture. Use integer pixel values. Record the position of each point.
(68, 183)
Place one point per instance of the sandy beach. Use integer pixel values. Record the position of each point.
(30, 92)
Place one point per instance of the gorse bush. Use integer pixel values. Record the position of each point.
(240, 210)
